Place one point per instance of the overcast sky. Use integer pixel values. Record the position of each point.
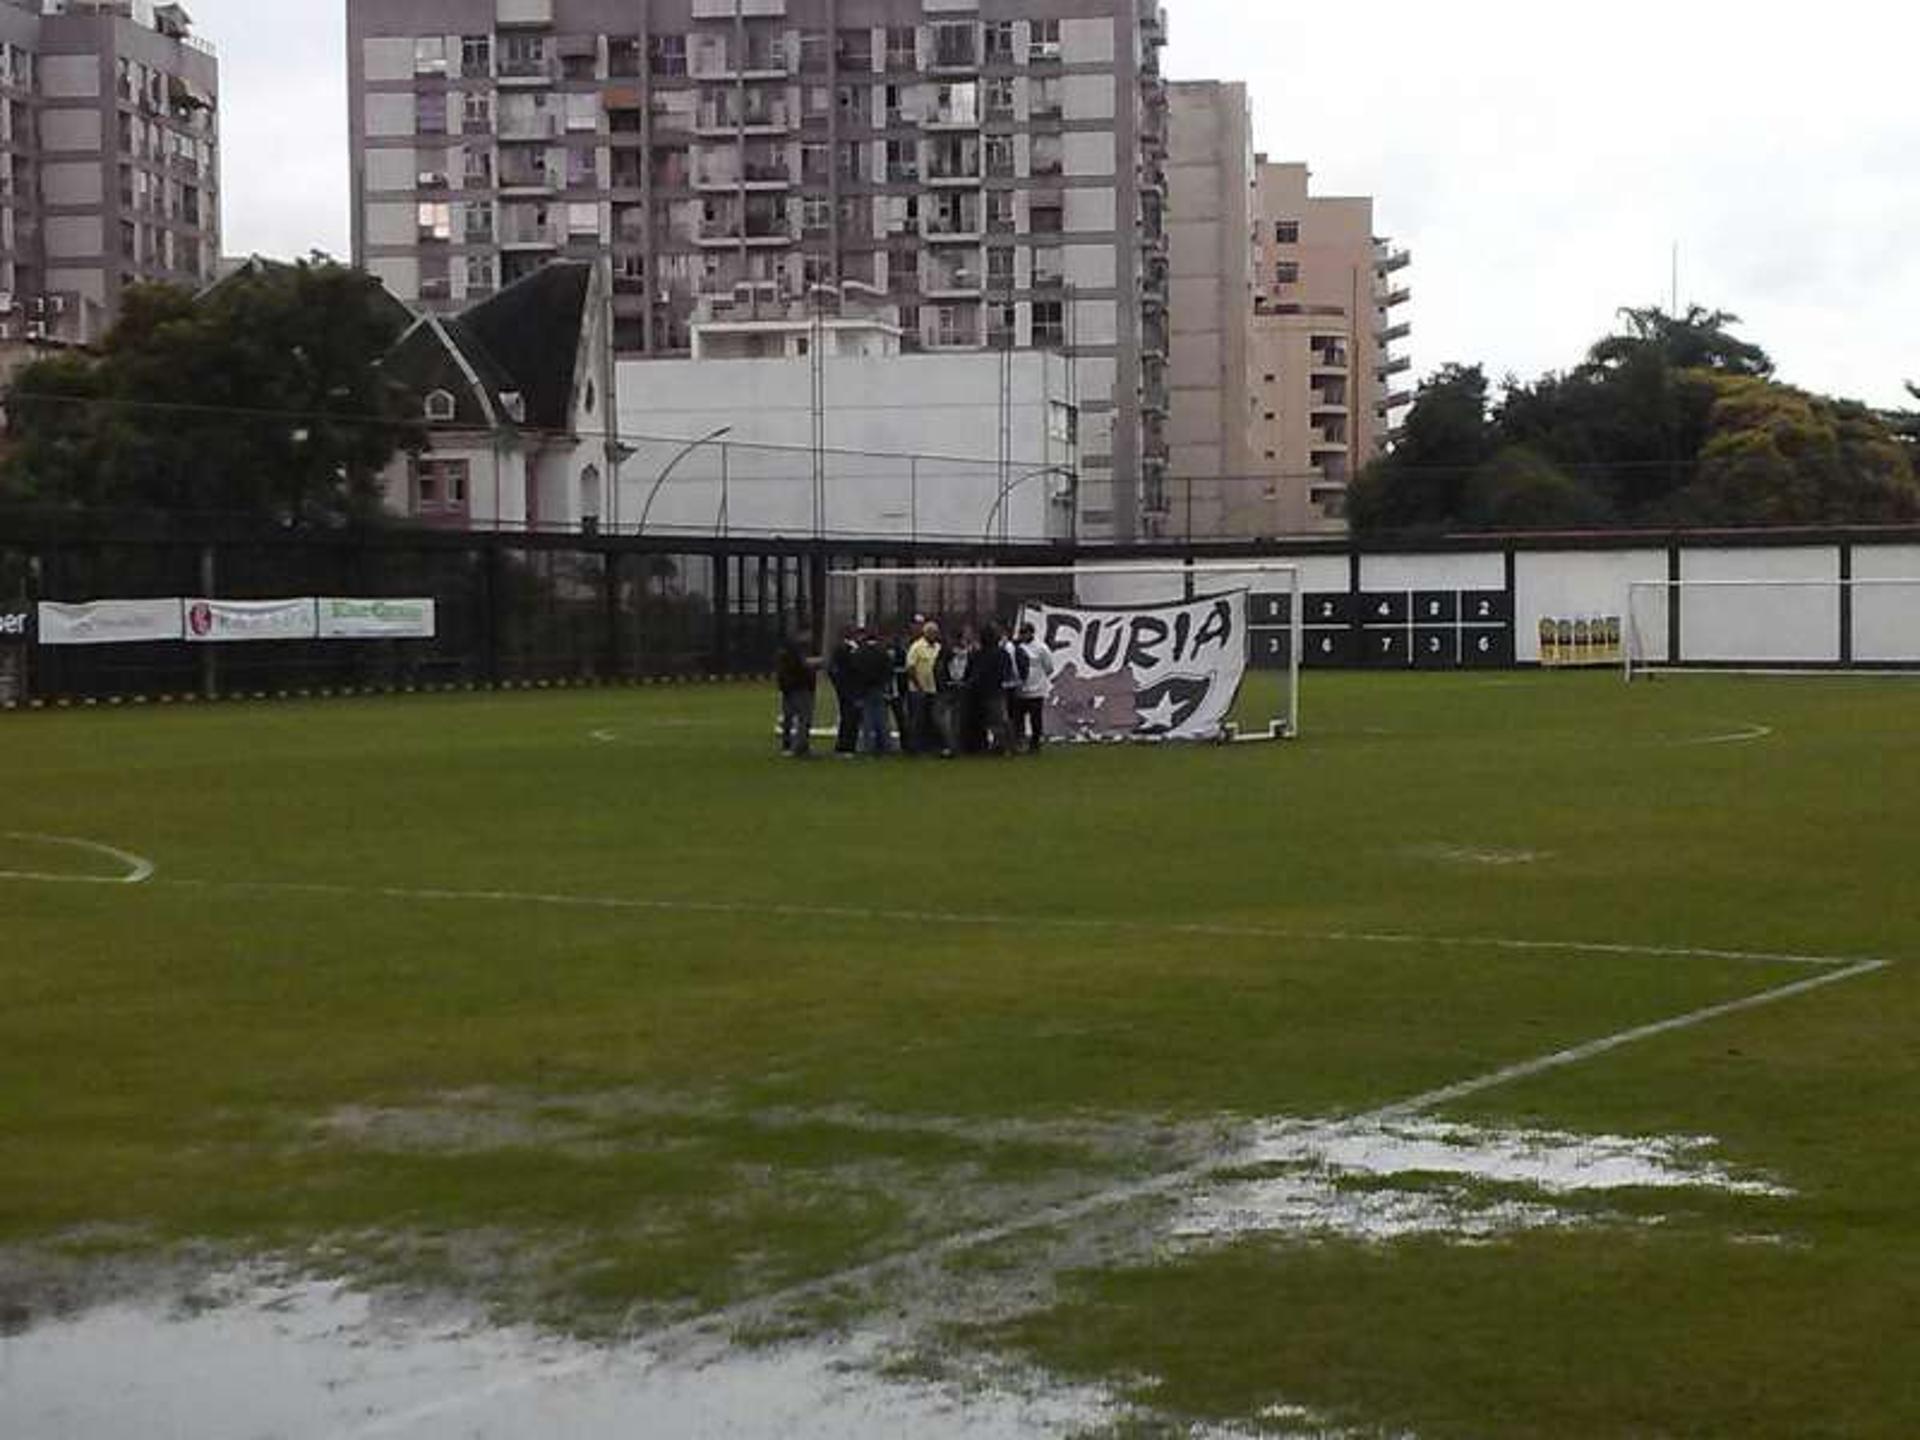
(1540, 159)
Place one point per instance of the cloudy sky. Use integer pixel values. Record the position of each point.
(1541, 160)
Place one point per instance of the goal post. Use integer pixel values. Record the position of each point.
(1166, 630)
(1769, 625)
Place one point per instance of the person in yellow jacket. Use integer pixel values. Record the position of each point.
(923, 683)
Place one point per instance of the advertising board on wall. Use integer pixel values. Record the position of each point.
(110, 622)
(222, 621)
(377, 619)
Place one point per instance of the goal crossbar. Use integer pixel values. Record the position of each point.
(1296, 619)
(1636, 652)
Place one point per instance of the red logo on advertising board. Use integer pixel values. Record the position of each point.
(200, 619)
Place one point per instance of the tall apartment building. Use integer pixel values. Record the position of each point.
(109, 160)
(992, 169)
(1283, 331)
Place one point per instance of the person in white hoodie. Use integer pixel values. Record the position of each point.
(1036, 688)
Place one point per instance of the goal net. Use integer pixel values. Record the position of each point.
(1773, 625)
(1138, 651)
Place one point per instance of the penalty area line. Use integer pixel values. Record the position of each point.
(138, 869)
(1096, 924)
(651, 1343)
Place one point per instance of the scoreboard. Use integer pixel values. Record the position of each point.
(1386, 629)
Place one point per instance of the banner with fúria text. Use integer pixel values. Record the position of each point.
(1144, 672)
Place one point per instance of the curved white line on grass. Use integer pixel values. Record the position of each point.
(1048, 922)
(1153, 1187)
(1746, 735)
(604, 737)
(138, 868)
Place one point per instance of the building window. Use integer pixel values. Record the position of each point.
(1045, 216)
(999, 42)
(436, 220)
(953, 44)
(1000, 268)
(667, 55)
(1047, 154)
(439, 486)
(999, 97)
(816, 215)
(476, 56)
(1287, 272)
(1049, 323)
(1044, 102)
(430, 113)
(1286, 232)
(1049, 267)
(480, 274)
(1043, 42)
(440, 406)
(476, 111)
(903, 48)
(430, 55)
(855, 49)
(903, 161)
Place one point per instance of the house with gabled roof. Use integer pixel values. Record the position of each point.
(516, 392)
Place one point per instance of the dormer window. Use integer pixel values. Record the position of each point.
(440, 406)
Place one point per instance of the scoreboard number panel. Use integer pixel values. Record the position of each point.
(1436, 607)
(1384, 607)
(1264, 611)
(1385, 648)
(1485, 607)
(1486, 646)
(1329, 607)
(1436, 647)
(1269, 649)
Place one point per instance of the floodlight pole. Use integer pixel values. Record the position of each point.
(685, 451)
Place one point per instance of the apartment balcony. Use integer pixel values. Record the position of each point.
(767, 174)
(953, 232)
(1153, 20)
(523, 128)
(1391, 401)
(1388, 299)
(951, 117)
(718, 234)
(1386, 260)
(955, 174)
(1393, 333)
(758, 118)
(529, 236)
(524, 73)
(1392, 365)
(1329, 360)
(716, 179)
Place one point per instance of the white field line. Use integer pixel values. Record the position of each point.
(653, 1342)
(138, 868)
(1746, 735)
(1051, 922)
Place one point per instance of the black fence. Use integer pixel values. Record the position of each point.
(520, 609)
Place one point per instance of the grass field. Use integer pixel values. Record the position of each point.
(585, 1007)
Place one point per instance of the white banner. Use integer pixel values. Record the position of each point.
(109, 622)
(220, 621)
(402, 619)
(1155, 672)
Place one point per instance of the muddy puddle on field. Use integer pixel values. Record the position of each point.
(318, 1361)
(253, 1356)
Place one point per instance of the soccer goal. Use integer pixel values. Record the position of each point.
(1140, 651)
(1777, 626)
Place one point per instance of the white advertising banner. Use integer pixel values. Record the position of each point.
(110, 622)
(223, 621)
(1152, 672)
(364, 619)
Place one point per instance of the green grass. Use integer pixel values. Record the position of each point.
(586, 1113)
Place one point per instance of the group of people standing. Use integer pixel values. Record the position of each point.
(981, 693)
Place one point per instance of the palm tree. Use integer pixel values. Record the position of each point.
(1701, 339)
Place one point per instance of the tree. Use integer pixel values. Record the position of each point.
(1701, 339)
(262, 399)
(1520, 489)
(1420, 484)
(1775, 455)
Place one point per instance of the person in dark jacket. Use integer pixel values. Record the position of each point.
(845, 694)
(871, 670)
(950, 706)
(798, 676)
(987, 685)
